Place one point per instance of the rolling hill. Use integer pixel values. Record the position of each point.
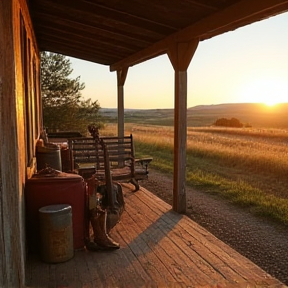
(254, 114)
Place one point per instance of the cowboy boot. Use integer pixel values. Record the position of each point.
(89, 243)
(101, 237)
(92, 246)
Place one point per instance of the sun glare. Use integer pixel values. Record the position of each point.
(271, 102)
(266, 91)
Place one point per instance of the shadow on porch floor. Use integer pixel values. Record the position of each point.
(159, 248)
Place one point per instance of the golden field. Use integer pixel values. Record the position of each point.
(249, 166)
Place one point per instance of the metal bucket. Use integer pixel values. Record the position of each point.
(48, 156)
(56, 233)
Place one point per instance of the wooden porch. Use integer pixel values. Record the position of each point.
(159, 248)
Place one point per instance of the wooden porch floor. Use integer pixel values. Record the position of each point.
(159, 248)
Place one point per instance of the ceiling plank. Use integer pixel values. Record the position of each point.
(241, 13)
(99, 14)
(126, 17)
(86, 36)
(85, 54)
(85, 46)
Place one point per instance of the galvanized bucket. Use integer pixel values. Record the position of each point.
(56, 233)
(48, 156)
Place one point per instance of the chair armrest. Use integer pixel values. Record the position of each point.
(144, 162)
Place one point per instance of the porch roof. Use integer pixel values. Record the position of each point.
(123, 33)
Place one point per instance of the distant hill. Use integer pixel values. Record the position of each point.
(255, 114)
(241, 107)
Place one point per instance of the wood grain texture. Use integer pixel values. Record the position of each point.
(158, 248)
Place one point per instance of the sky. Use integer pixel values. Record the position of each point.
(247, 65)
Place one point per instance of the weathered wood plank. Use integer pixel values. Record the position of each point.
(129, 253)
(136, 275)
(158, 248)
(234, 267)
(139, 246)
(213, 252)
(169, 259)
(82, 271)
(168, 237)
(89, 259)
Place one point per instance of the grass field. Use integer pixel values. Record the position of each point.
(249, 166)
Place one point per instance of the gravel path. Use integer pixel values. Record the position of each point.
(263, 242)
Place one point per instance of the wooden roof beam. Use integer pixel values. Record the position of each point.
(243, 12)
(100, 13)
(125, 17)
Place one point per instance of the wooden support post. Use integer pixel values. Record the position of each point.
(12, 144)
(121, 77)
(180, 55)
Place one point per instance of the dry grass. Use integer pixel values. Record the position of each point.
(250, 166)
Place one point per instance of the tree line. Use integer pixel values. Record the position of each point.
(64, 108)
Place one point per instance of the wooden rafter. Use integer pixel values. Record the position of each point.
(242, 13)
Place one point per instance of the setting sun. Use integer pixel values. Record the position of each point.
(266, 90)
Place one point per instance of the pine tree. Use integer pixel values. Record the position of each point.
(63, 106)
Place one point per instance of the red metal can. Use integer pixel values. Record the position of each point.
(52, 187)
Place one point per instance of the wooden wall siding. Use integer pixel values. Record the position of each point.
(17, 161)
(9, 225)
(30, 75)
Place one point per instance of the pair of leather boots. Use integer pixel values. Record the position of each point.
(103, 214)
(102, 240)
